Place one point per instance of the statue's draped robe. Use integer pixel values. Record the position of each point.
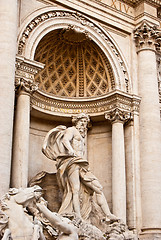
(54, 149)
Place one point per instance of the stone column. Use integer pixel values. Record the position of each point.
(117, 118)
(146, 38)
(25, 86)
(8, 33)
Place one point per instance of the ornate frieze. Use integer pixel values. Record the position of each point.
(147, 36)
(24, 76)
(117, 114)
(93, 106)
(84, 22)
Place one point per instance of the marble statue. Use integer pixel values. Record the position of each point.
(66, 146)
(67, 230)
(15, 223)
(70, 227)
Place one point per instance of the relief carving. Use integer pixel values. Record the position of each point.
(95, 106)
(118, 115)
(147, 36)
(25, 73)
(25, 85)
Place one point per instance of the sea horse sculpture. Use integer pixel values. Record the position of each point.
(15, 223)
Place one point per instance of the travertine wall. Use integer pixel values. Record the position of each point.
(37, 160)
(142, 135)
(100, 155)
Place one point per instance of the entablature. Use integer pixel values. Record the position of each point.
(134, 3)
(96, 106)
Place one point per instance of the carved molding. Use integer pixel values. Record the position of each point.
(134, 3)
(147, 36)
(94, 106)
(84, 22)
(25, 73)
(117, 114)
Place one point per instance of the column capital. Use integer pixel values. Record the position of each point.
(118, 115)
(147, 37)
(25, 85)
(25, 73)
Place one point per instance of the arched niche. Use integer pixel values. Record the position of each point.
(98, 91)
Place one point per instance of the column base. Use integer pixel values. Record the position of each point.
(150, 234)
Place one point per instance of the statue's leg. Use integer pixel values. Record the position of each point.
(101, 200)
(74, 181)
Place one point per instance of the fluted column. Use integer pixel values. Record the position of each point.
(146, 37)
(8, 35)
(25, 86)
(117, 118)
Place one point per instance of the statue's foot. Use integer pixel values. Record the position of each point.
(113, 218)
(106, 219)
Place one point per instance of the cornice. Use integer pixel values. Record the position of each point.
(25, 73)
(134, 3)
(92, 106)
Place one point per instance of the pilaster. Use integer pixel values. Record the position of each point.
(8, 33)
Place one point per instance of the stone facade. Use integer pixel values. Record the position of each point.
(98, 57)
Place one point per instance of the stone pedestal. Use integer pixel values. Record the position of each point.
(150, 137)
(8, 33)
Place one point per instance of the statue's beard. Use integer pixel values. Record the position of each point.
(82, 131)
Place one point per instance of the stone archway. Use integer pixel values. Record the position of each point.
(50, 20)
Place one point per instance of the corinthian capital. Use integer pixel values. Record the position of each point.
(26, 85)
(116, 115)
(26, 70)
(147, 36)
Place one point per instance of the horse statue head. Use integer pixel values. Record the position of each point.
(14, 220)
